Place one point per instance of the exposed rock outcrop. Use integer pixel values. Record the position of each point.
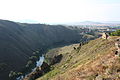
(105, 36)
(117, 45)
(39, 71)
(45, 67)
(56, 59)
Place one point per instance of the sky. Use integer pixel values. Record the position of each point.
(59, 11)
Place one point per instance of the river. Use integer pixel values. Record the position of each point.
(38, 63)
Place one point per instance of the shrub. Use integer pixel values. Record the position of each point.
(33, 58)
(116, 33)
(13, 75)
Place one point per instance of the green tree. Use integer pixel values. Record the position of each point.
(116, 33)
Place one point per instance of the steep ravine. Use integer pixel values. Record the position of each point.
(55, 59)
(18, 42)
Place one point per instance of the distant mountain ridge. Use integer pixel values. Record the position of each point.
(94, 23)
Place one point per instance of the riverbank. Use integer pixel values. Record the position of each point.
(40, 70)
(38, 64)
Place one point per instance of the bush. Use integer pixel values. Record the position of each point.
(13, 75)
(116, 33)
(33, 58)
(29, 64)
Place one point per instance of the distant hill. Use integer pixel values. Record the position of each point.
(105, 23)
(18, 41)
(88, 23)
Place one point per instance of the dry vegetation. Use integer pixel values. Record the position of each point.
(93, 61)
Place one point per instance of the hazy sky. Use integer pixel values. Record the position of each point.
(60, 11)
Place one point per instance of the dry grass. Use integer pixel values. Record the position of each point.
(93, 60)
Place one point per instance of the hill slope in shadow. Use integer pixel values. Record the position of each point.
(18, 41)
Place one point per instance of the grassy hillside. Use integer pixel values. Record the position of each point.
(93, 61)
(18, 41)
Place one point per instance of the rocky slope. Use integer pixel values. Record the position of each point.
(18, 41)
(95, 60)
